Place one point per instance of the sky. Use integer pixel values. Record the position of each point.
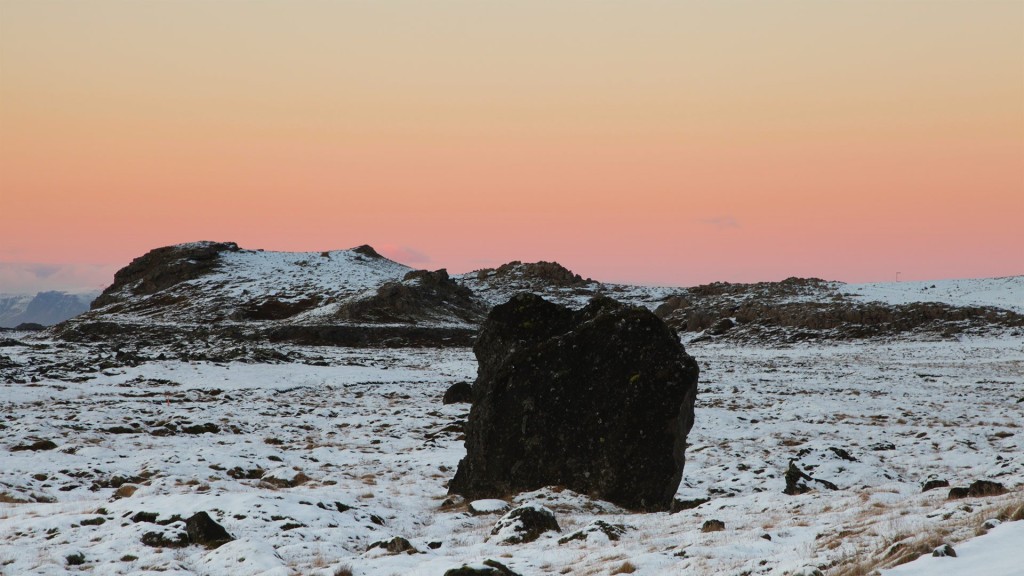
(634, 141)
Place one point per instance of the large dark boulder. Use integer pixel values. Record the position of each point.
(598, 400)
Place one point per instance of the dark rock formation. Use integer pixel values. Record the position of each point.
(458, 393)
(773, 311)
(599, 400)
(396, 545)
(546, 273)
(525, 524)
(978, 489)
(712, 526)
(944, 551)
(162, 268)
(422, 295)
(204, 531)
(612, 531)
(165, 539)
(35, 446)
(799, 482)
(933, 484)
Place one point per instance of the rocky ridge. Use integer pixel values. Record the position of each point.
(217, 291)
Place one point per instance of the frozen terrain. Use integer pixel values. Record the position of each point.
(309, 462)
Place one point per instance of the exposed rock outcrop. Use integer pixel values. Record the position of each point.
(422, 295)
(599, 400)
(162, 268)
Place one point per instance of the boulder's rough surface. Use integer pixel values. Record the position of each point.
(598, 400)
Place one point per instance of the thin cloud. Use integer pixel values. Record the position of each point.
(32, 277)
(721, 222)
(404, 254)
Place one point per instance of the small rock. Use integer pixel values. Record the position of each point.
(487, 568)
(525, 524)
(458, 393)
(285, 478)
(396, 545)
(797, 481)
(944, 551)
(713, 526)
(166, 539)
(610, 531)
(957, 493)
(978, 489)
(933, 484)
(991, 523)
(680, 505)
(205, 531)
(35, 446)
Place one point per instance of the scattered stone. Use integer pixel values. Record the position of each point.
(204, 531)
(458, 393)
(721, 327)
(958, 493)
(978, 489)
(712, 526)
(991, 523)
(239, 473)
(487, 568)
(285, 478)
(422, 295)
(76, 559)
(35, 446)
(598, 527)
(396, 545)
(598, 400)
(933, 484)
(882, 446)
(166, 539)
(944, 551)
(525, 524)
(208, 428)
(797, 481)
(680, 505)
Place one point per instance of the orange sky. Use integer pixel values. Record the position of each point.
(655, 142)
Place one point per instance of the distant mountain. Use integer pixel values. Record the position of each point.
(357, 297)
(46, 308)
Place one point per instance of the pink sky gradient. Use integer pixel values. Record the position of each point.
(648, 142)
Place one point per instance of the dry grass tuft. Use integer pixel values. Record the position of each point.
(625, 568)
(125, 491)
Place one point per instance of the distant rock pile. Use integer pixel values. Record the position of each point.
(421, 295)
(598, 400)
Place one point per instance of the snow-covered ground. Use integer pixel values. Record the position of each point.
(308, 465)
(1007, 292)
